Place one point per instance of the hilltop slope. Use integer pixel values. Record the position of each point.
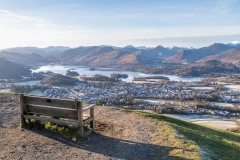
(119, 135)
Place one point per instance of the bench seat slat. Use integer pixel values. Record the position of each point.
(53, 120)
(88, 120)
(53, 111)
(59, 111)
(44, 101)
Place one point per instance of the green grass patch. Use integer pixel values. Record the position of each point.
(217, 144)
(66, 131)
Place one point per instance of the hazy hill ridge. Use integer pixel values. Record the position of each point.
(198, 54)
(105, 55)
(230, 56)
(9, 70)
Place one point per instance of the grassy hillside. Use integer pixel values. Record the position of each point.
(58, 79)
(214, 144)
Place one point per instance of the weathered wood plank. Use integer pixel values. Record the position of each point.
(57, 109)
(92, 125)
(80, 118)
(44, 101)
(23, 122)
(88, 120)
(53, 120)
(88, 107)
(53, 111)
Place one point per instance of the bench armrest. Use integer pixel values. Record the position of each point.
(89, 107)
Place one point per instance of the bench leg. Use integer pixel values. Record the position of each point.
(81, 132)
(23, 122)
(92, 125)
(92, 122)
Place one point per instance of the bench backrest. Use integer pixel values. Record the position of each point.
(60, 108)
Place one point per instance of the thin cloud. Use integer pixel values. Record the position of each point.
(8, 16)
(224, 6)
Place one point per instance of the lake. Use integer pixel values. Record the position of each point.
(5, 90)
(29, 83)
(36, 92)
(108, 71)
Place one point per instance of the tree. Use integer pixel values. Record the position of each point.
(71, 73)
(117, 76)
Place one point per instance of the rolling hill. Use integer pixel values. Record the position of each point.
(230, 56)
(24, 59)
(44, 52)
(9, 70)
(130, 55)
(107, 55)
(195, 55)
(208, 67)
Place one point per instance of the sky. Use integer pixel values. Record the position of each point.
(73, 23)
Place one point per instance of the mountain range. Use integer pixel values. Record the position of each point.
(31, 56)
(45, 52)
(118, 56)
(106, 56)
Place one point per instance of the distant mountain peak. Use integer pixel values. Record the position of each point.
(235, 42)
(160, 46)
(195, 55)
(141, 47)
(176, 48)
(129, 46)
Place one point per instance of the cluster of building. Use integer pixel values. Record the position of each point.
(172, 91)
(92, 92)
(56, 93)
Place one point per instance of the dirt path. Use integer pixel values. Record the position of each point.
(119, 135)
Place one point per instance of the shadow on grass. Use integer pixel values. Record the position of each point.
(115, 148)
(219, 144)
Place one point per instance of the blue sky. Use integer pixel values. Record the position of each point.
(75, 23)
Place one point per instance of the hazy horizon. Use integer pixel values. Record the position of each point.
(2, 49)
(151, 23)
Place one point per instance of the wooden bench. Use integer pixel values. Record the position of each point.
(59, 111)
